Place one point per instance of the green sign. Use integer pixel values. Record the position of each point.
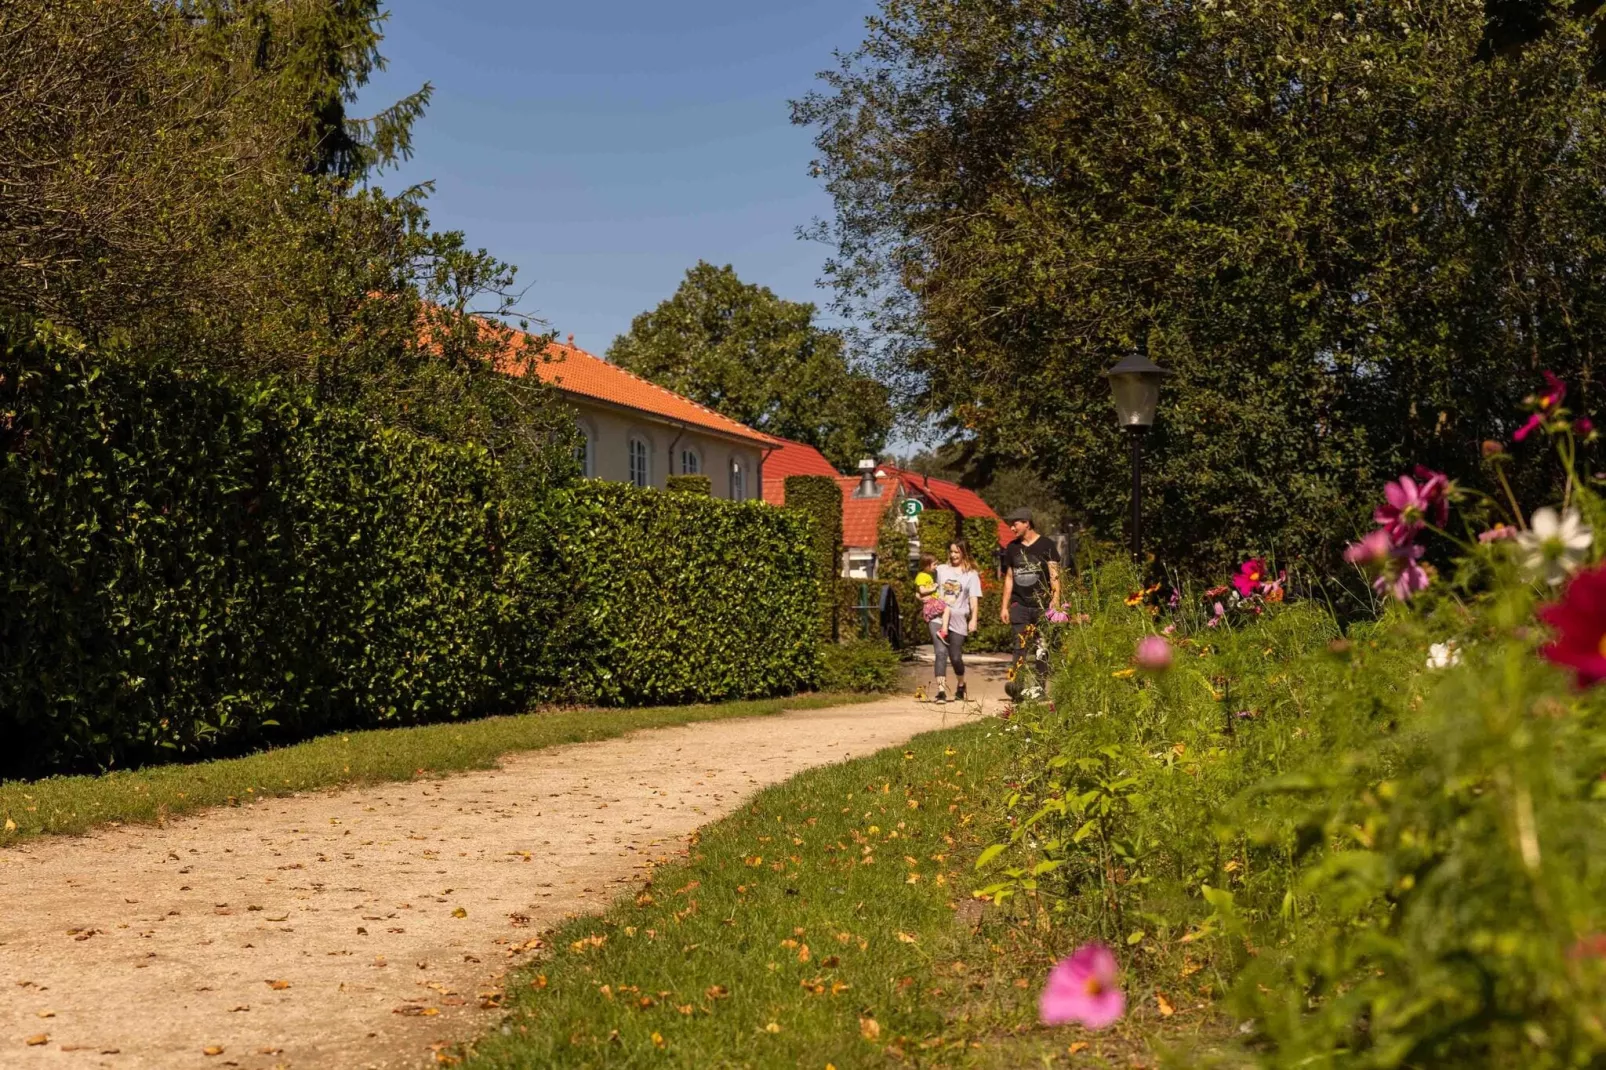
(913, 507)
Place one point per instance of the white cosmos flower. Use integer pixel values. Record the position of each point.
(1443, 655)
(1554, 545)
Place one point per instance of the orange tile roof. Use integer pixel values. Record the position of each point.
(945, 494)
(861, 517)
(574, 371)
(792, 459)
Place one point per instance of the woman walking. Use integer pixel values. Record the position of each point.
(959, 584)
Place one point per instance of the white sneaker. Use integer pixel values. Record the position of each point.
(1032, 692)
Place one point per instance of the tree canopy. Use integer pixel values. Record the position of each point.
(759, 359)
(182, 177)
(1355, 231)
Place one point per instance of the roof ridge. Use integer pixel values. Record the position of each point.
(658, 387)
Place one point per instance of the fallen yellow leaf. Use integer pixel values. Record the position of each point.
(869, 1028)
(36, 1041)
(773, 1027)
(1080, 1045)
(1166, 1009)
(215, 1049)
(11, 826)
(277, 985)
(657, 1040)
(459, 913)
(908, 938)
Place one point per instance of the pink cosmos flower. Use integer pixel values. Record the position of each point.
(1548, 402)
(1250, 573)
(1580, 623)
(1057, 615)
(1084, 988)
(1497, 533)
(1372, 552)
(1153, 654)
(1412, 502)
(1402, 576)
(1216, 615)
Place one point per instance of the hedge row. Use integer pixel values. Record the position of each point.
(194, 568)
(821, 498)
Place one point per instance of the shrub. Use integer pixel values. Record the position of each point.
(859, 665)
(703, 485)
(937, 528)
(821, 498)
(197, 568)
(1387, 863)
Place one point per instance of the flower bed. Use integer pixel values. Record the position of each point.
(1376, 845)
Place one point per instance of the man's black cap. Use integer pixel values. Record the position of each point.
(1022, 513)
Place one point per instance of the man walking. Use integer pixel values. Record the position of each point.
(1031, 585)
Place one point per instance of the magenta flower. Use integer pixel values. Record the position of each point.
(1584, 426)
(1579, 620)
(1412, 502)
(1497, 533)
(1084, 988)
(1546, 403)
(1372, 552)
(1250, 573)
(1153, 654)
(1402, 576)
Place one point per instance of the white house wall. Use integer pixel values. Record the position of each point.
(610, 431)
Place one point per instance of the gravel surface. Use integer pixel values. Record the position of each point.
(367, 928)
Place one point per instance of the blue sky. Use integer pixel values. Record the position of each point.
(605, 147)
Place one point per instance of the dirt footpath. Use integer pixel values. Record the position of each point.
(364, 928)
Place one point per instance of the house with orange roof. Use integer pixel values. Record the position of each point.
(635, 431)
(869, 498)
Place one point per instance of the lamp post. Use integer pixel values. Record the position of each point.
(1135, 384)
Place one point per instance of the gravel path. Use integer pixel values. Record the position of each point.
(365, 928)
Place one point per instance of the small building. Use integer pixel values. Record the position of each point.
(636, 431)
(877, 492)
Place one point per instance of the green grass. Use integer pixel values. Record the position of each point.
(779, 943)
(74, 804)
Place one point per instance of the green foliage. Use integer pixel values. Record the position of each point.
(858, 609)
(680, 598)
(938, 528)
(182, 180)
(1388, 864)
(703, 485)
(195, 568)
(859, 665)
(982, 534)
(821, 498)
(1333, 222)
(744, 352)
(892, 568)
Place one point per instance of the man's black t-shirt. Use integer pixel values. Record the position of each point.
(1030, 566)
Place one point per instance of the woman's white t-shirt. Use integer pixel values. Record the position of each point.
(959, 588)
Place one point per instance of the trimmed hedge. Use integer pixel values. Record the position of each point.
(703, 485)
(937, 529)
(821, 498)
(193, 568)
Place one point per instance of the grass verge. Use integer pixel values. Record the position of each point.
(828, 923)
(75, 804)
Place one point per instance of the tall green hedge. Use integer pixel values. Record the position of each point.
(196, 568)
(982, 534)
(821, 498)
(703, 485)
(938, 528)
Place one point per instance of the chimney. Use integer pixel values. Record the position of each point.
(571, 339)
(867, 487)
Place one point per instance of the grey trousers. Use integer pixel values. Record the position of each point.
(951, 650)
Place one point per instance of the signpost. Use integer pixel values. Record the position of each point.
(913, 507)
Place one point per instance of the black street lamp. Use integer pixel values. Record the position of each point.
(1135, 383)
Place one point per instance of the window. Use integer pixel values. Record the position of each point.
(861, 564)
(738, 482)
(640, 462)
(583, 455)
(690, 463)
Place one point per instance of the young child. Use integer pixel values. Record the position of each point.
(932, 604)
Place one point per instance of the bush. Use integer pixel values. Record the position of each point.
(938, 528)
(194, 568)
(703, 485)
(859, 665)
(1386, 864)
(821, 498)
